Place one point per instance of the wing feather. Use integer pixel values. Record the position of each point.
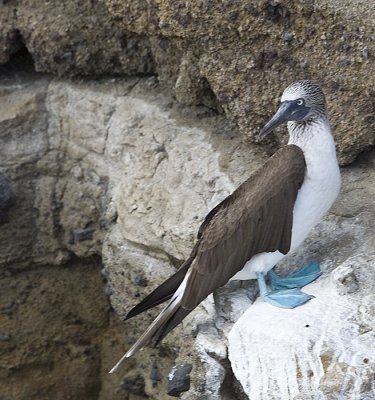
(255, 218)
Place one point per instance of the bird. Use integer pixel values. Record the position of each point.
(265, 219)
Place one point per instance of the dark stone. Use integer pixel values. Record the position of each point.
(55, 36)
(179, 379)
(67, 56)
(365, 53)
(278, 14)
(155, 375)
(134, 385)
(233, 15)
(8, 308)
(140, 280)
(80, 235)
(163, 43)
(104, 273)
(4, 218)
(251, 10)
(108, 290)
(287, 36)
(4, 337)
(7, 199)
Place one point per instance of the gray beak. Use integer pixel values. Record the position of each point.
(283, 114)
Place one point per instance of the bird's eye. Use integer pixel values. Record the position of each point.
(300, 102)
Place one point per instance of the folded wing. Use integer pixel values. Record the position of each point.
(256, 218)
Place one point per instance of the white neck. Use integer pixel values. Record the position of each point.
(322, 177)
(315, 140)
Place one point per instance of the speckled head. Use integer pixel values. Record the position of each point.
(309, 92)
(301, 101)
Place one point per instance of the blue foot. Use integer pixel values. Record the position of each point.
(300, 278)
(287, 298)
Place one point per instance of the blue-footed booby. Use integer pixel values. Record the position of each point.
(261, 222)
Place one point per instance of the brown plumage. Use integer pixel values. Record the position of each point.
(257, 217)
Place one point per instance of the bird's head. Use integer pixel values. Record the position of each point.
(301, 101)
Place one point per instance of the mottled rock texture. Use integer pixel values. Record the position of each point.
(235, 56)
(7, 199)
(53, 345)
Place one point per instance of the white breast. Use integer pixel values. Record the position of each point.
(320, 187)
(315, 197)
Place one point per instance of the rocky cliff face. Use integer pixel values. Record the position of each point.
(118, 173)
(232, 56)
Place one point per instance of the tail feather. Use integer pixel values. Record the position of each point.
(151, 335)
(156, 331)
(162, 293)
(172, 322)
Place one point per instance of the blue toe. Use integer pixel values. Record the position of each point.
(300, 278)
(288, 298)
(285, 298)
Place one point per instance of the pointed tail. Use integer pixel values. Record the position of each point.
(170, 317)
(162, 293)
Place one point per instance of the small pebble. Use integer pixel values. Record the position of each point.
(80, 235)
(140, 280)
(287, 36)
(134, 385)
(4, 337)
(365, 53)
(346, 60)
(155, 375)
(179, 379)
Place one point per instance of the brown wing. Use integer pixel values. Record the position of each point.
(255, 218)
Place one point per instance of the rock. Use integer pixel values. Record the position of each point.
(7, 198)
(23, 114)
(80, 235)
(155, 375)
(300, 348)
(345, 279)
(365, 53)
(247, 54)
(8, 309)
(287, 36)
(238, 61)
(179, 379)
(124, 263)
(43, 335)
(135, 385)
(4, 337)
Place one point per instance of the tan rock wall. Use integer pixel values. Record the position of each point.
(233, 56)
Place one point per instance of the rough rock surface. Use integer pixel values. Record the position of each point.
(232, 56)
(7, 199)
(324, 350)
(116, 168)
(50, 346)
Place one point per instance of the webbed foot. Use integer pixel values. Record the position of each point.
(287, 298)
(300, 278)
(284, 298)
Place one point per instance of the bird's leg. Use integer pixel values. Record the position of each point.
(286, 298)
(300, 278)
